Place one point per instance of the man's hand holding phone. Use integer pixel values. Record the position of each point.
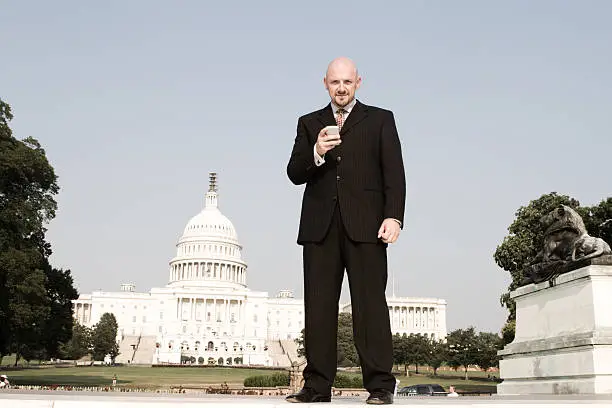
(329, 137)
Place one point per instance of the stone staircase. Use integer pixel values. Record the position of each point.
(126, 349)
(145, 350)
(276, 353)
(136, 350)
(290, 349)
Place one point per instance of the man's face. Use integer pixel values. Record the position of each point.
(341, 82)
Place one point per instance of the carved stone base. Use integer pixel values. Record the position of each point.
(563, 342)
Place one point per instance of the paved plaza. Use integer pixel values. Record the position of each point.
(65, 399)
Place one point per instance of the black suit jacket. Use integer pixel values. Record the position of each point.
(364, 174)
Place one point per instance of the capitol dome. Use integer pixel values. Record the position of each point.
(210, 223)
(209, 253)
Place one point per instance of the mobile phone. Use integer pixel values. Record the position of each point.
(332, 130)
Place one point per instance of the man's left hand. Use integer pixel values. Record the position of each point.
(389, 231)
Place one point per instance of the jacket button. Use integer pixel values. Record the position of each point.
(338, 159)
(338, 178)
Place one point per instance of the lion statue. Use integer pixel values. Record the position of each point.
(565, 240)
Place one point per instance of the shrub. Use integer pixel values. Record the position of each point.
(348, 381)
(272, 380)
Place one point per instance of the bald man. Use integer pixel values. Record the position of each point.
(352, 208)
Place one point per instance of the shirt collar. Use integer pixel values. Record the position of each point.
(347, 108)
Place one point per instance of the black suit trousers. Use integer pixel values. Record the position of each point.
(366, 267)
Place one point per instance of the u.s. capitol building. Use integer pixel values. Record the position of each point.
(206, 314)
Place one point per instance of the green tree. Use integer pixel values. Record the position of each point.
(301, 352)
(79, 344)
(60, 293)
(487, 346)
(508, 332)
(103, 338)
(417, 350)
(438, 354)
(24, 287)
(400, 351)
(598, 220)
(347, 353)
(28, 185)
(462, 348)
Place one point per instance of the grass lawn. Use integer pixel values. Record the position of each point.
(477, 382)
(147, 377)
(131, 376)
(199, 377)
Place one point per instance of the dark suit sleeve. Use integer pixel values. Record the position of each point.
(301, 165)
(392, 164)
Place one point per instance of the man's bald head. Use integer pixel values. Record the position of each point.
(342, 63)
(342, 80)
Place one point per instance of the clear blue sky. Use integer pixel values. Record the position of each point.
(135, 102)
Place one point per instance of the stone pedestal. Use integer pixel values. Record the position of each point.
(563, 342)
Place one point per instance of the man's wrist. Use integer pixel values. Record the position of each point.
(318, 159)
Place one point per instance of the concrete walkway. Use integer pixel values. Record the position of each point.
(66, 399)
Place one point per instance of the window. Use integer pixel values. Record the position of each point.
(133, 319)
(161, 315)
(422, 389)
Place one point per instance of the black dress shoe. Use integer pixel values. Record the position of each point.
(380, 397)
(308, 395)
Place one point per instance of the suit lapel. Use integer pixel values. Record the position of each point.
(358, 113)
(326, 116)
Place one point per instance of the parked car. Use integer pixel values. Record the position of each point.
(423, 389)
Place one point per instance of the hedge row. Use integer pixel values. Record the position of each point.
(272, 380)
(348, 381)
(282, 380)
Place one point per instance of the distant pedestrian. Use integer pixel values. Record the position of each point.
(114, 380)
(452, 392)
(4, 382)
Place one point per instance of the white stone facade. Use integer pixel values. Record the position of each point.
(426, 316)
(207, 312)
